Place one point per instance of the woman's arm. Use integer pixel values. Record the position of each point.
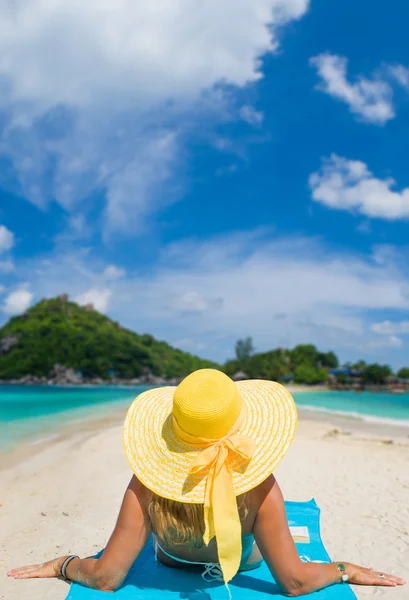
(276, 544)
(132, 531)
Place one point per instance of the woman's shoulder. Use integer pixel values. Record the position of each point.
(257, 495)
(250, 503)
(140, 490)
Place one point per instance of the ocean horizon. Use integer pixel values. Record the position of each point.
(36, 414)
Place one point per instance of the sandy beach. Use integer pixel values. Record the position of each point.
(63, 496)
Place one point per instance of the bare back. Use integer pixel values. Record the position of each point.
(248, 506)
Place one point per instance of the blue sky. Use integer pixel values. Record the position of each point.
(204, 173)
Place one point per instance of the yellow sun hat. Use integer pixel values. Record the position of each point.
(207, 441)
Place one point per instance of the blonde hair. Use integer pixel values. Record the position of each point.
(180, 523)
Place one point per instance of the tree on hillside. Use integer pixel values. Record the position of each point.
(403, 373)
(359, 366)
(328, 360)
(304, 354)
(342, 379)
(309, 374)
(244, 349)
(272, 365)
(376, 374)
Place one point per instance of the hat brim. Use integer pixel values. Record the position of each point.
(162, 462)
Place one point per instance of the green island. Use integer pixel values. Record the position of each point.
(58, 341)
(57, 335)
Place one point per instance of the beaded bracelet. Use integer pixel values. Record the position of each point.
(65, 565)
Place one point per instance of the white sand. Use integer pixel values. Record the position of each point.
(360, 483)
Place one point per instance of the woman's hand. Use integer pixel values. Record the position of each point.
(362, 576)
(52, 568)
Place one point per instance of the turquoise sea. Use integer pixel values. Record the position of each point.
(391, 409)
(34, 414)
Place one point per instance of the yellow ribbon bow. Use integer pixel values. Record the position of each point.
(221, 515)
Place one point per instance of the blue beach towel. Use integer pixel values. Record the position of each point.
(149, 580)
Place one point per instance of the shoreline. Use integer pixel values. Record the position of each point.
(90, 426)
(71, 431)
(160, 381)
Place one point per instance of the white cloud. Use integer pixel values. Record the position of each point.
(370, 99)
(6, 239)
(101, 95)
(18, 301)
(174, 48)
(400, 74)
(6, 266)
(193, 302)
(390, 341)
(364, 227)
(387, 254)
(112, 272)
(188, 345)
(214, 292)
(98, 298)
(143, 186)
(349, 185)
(76, 229)
(391, 328)
(394, 342)
(251, 115)
(229, 170)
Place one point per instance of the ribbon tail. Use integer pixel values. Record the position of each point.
(209, 531)
(227, 524)
(207, 460)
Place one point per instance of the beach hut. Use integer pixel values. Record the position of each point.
(240, 376)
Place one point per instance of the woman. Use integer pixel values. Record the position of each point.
(203, 456)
